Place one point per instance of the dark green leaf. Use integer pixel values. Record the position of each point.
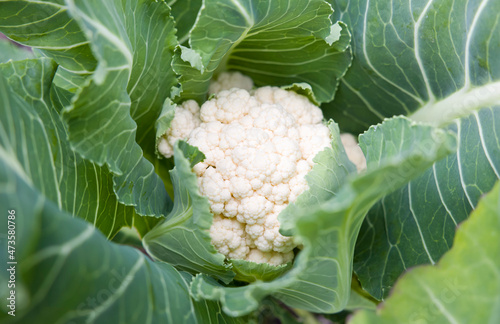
(130, 82)
(48, 27)
(278, 42)
(436, 60)
(184, 13)
(34, 141)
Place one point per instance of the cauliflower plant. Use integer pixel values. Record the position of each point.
(259, 145)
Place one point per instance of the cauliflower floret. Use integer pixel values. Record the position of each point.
(304, 112)
(272, 258)
(229, 238)
(187, 118)
(229, 80)
(354, 152)
(266, 237)
(258, 149)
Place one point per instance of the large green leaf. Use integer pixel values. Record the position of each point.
(67, 272)
(416, 224)
(320, 279)
(434, 59)
(47, 26)
(10, 51)
(184, 13)
(464, 287)
(277, 42)
(128, 81)
(33, 140)
(133, 44)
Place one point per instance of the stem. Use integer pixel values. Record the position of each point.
(459, 104)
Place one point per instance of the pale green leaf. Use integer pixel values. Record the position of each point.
(464, 287)
(248, 271)
(416, 224)
(11, 51)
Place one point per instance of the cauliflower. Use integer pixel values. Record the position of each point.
(258, 146)
(187, 118)
(354, 152)
(229, 80)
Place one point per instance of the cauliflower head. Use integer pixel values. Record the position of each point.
(229, 80)
(353, 151)
(259, 146)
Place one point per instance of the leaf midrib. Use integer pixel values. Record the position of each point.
(461, 103)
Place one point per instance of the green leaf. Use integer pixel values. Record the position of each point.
(416, 224)
(303, 89)
(357, 301)
(76, 276)
(48, 27)
(359, 298)
(182, 239)
(248, 271)
(466, 278)
(331, 169)
(162, 165)
(435, 60)
(128, 236)
(10, 51)
(129, 82)
(143, 224)
(184, 13)
(132, 42)
(191, 153)
(271, 310)
(278, 42)
(70, 82)
(33, 140)
(320, 279)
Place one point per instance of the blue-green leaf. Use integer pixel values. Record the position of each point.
(464, 287)
(278, 42)
(33, 139)
(416, 224)
(48, 27)
(435, 60)
(119, 104)
(115, 59)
